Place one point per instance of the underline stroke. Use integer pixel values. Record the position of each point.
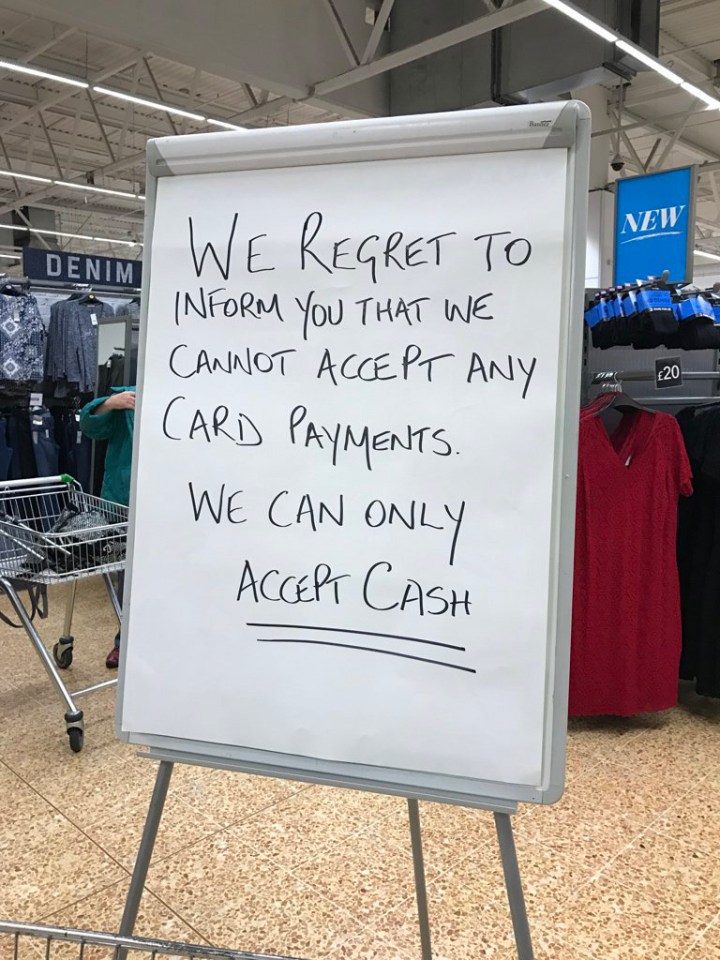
(360, 633)
(387, 653)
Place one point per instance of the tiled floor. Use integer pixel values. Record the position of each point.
(626, 867)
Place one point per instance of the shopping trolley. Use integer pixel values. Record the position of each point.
(104, 946)
(52, 532)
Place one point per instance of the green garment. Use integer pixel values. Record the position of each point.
(115, 426)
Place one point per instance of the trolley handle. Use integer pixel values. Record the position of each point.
(38, 482)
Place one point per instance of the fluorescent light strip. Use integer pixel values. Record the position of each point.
(152, 104)
(44, 74)
(587, 22)
(57, 233)
(73, 236)
(710, 256)
(75, 186)
(645, 58)
(125, 243)
(8, 256)
(24, 176)
(93, 189)
(597, 28)
(699, 94)
(223, 124)
(177, 111)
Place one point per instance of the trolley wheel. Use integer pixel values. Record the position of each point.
(76, 739)
(63, 655)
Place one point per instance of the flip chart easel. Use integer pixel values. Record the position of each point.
(506, 844)
(360, 377)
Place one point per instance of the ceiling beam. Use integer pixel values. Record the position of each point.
(672, 142)
(101, 171)
(41, 48)
(695, 62)
(442, 41)
(65, 94)
(342, 34)
(377, 31)
(657, 125)
(98, 212)
(101, 127)
(159, 95)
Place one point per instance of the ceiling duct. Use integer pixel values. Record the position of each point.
(540, 57)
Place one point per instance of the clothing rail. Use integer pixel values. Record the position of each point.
(626, 376)
(618, 377)
(62, 286)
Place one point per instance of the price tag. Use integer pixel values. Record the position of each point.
(36, 399)
(93, 319)
(668, 372)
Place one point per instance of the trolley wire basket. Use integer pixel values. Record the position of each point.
(52, 532)
(24, 941)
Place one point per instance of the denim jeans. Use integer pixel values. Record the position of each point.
(42, 426)
(5, 451)
(75, 448)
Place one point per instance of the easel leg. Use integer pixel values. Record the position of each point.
(420, 887)
(513, 886)
(147, 843)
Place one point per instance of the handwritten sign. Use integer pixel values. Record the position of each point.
(346, 462)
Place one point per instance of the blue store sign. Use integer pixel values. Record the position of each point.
(655, 226)
(81, 268)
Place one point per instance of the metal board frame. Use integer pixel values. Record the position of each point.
(564, 126)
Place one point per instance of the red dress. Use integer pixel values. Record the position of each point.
(626, 634)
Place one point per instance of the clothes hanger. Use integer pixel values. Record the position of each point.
(619, 401)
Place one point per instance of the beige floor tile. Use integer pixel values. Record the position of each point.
(696, 815)
(19, 804)
(469, 913)
(228, 797)
(671, 873)
(48, 864)
(106, 790)
(284, 916)
(119, 831)
(449, 833)
(613, 789)
(673, 752)
(102, 912)
(236, 897)
(707, 946)
(623, 922)
(591, 820)
(367, 875)
(369, 946)
(35, 744)
(212, 876)
(299, 828)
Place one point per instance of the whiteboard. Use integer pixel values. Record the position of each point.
(355, 452)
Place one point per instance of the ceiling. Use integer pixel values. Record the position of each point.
(51, 130)
(88, 139)
(665, 127)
